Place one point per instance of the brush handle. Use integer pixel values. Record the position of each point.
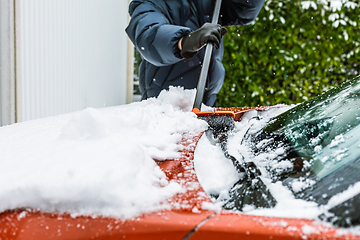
(206, 63)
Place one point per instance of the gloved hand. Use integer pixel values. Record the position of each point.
(194, 41)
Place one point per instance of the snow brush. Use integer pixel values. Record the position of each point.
(219, 122)
(253, 190)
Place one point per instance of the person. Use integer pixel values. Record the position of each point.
(170, 35)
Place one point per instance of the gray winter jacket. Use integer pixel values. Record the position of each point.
(157, 25)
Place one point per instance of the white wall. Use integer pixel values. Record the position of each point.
(7, 62)
(71, 54)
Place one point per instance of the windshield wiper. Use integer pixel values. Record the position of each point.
(250, 190)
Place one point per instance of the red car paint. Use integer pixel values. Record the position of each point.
(187, 218)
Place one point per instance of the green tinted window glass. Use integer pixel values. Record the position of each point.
(324, 130)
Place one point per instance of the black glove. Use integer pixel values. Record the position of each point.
(194, 41)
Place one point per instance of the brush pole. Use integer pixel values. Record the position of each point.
(206, 63)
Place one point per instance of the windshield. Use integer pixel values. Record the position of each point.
(308, 156)
(319, 136)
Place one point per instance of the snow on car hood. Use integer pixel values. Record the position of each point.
(96, 161)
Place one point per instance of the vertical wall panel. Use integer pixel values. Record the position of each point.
(73, 55)
(7, 63)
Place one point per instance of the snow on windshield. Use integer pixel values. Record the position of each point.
(217, 175)
(285, 199)
(96, 161)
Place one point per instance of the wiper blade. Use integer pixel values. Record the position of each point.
(250, 190)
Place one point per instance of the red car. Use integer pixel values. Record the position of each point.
(189, 218)
(192, 214)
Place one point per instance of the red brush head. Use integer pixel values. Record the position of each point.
(208, 113)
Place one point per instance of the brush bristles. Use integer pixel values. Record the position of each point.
(219, 124)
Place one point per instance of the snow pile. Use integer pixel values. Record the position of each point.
(96, 161)
(217, 174)
(227, 176)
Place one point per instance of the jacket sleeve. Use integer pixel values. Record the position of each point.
(240, 12)
(152, 33)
